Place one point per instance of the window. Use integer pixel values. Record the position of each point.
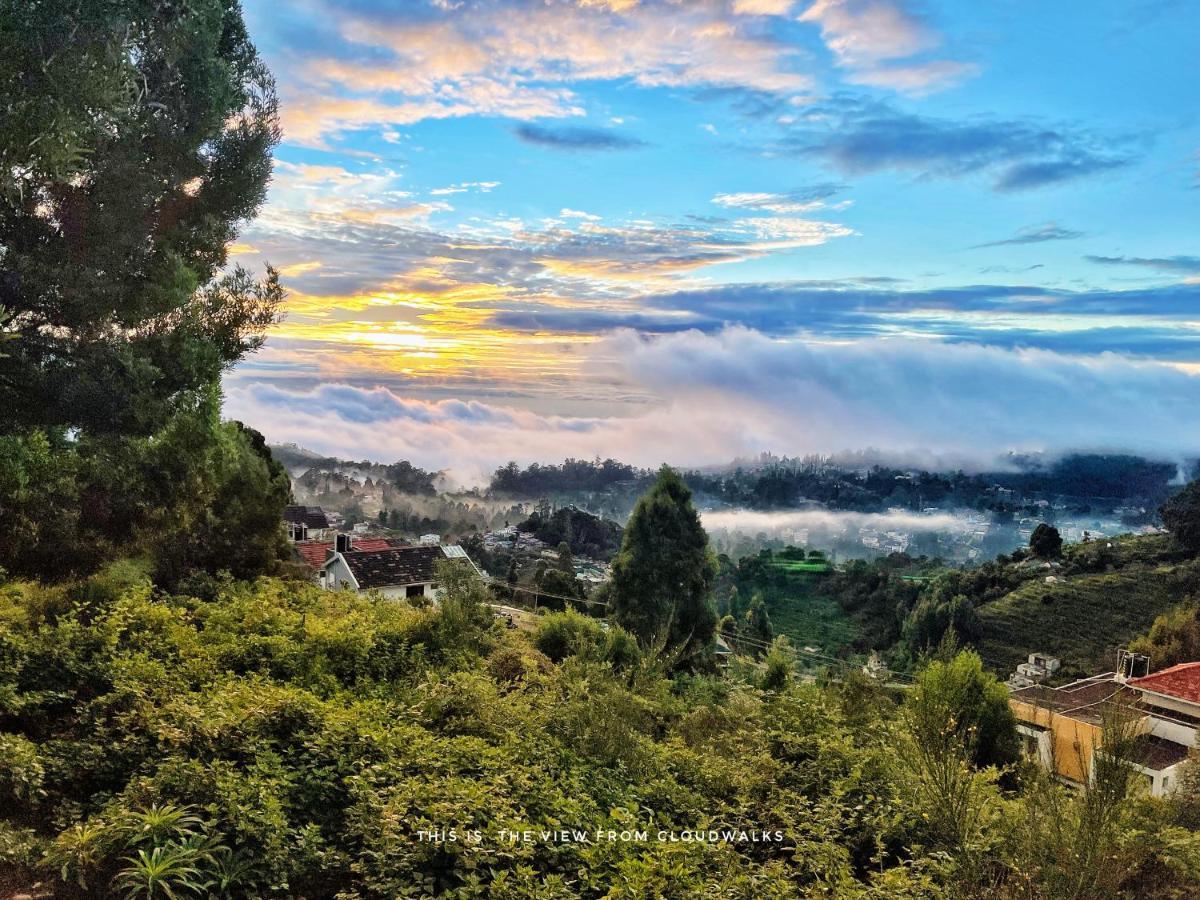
(415, 590)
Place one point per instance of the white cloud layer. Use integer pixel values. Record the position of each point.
(739, 392)
(751, 522)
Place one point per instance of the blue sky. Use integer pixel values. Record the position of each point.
(504, 224)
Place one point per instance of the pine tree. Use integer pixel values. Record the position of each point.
(137, 139)
(663, 576)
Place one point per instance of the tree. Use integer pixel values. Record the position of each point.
(1181, 516)
(566, 562)
(1046, 542)
(957, 695)
(758, 622)
(137, 138)
(1174, 637)
(663, 576)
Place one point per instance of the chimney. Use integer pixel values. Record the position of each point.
(343, 543)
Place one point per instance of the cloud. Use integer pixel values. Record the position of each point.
(1183, 265)
(870, 36)
(746, 521)
(1036, 235)
(576, 138)
(1157, 322)
(386, 65)
(714, 397)
(483, 187)
(797, 201)
(864, 138)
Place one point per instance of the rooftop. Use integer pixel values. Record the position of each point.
(1157, 753)
(1082, 700)
(397, 566)
(315, 552)
(312, 516)
(1181, 681)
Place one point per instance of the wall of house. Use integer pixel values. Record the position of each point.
(1173, 731)
(400, 592)
(337, 575)
(1072, 742)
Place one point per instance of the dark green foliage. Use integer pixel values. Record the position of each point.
(198, 495)
(1109, 480)
(878, 595)
(758, 622)
(573, 475)
(154, 125)
(937, 614)
(1046, 542)
(795, 593)
(1181, 516)
(1173, 638)
(662, 579)
(584, 533)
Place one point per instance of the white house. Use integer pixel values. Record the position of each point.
(394, 572)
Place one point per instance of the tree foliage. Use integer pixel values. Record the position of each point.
(1181, 516)
(1045, 542)
(662, 579)
(136, 139)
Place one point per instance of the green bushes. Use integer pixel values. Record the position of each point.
(570, 633)
(279, 740)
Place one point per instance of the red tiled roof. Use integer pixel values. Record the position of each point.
(314, 552)
(1182, 681)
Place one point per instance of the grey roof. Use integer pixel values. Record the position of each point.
(394, 567)
(1157, 753)
(312, 516)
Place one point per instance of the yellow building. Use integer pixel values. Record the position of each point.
(1063, 728)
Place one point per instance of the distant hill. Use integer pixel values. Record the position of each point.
(586, 534)
(1102, 596)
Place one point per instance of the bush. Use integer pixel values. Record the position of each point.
(567, 633)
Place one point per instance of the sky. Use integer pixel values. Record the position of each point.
(678, 231)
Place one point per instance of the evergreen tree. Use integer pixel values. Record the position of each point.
(662, 578)
(136, 139)
(1046, 542)
(1181, 516)
(566, 561)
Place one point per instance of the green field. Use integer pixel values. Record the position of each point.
(795, 565)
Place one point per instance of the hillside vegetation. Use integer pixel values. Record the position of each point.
(1100, 597)
(270, 738)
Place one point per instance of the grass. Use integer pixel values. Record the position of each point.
(1084, 618)
(795, 565)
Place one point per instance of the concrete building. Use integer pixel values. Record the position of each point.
(1064, 726)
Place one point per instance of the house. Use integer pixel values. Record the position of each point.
(305, 522)
(1063, 726)
(393, 571)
